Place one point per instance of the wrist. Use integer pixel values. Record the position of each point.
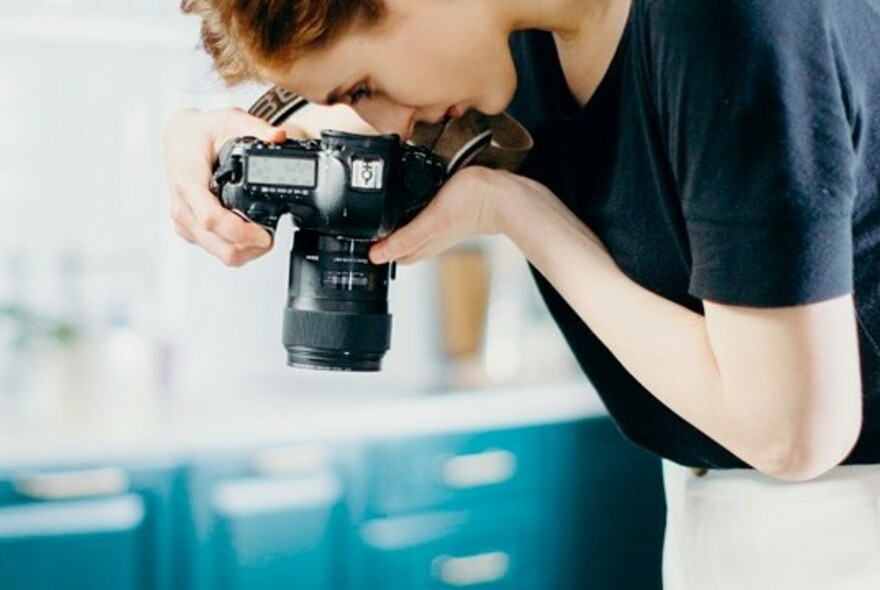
(518, 207)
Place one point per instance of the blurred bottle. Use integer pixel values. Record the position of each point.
(464, 280)
(496, 328)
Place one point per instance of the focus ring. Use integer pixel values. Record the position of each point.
(337, 331)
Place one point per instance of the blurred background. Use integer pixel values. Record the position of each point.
(142, 382)
(88, 259)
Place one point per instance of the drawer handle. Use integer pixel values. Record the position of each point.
(481, 469)
(471, 570)
(292, 460)
(72, 484)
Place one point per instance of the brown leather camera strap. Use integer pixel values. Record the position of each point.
(496, 141)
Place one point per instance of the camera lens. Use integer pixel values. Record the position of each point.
(337, 308)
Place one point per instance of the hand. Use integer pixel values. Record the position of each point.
(465, 207)
(192, 140)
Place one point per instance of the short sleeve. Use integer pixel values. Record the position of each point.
(752, 102)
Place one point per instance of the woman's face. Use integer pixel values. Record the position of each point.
(426, 60)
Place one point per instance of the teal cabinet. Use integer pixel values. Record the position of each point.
(605, 509)
(453, 510)
(88, 528)
(92, 545)
(564, 506)
(558, 506)
(455, 470)
(266, 519)
(492, 547)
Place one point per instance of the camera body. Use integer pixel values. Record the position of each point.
(361, 187)
(343, 192)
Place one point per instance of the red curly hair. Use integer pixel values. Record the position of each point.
(242, 35)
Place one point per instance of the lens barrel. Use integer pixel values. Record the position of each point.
(337, 308)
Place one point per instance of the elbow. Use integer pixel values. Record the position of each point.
(809, 453)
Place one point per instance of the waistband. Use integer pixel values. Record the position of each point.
(739, 484)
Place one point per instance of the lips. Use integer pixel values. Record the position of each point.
(454, 113)
(451, 113)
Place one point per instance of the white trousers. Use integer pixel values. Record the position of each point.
(740, 530)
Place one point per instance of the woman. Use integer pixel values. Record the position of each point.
(701, 208)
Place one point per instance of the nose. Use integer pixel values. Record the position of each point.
(387, 117)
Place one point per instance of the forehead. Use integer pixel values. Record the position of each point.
(319, 72)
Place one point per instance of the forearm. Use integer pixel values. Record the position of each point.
(665, 346)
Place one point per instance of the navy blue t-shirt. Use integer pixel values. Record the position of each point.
(730, 154)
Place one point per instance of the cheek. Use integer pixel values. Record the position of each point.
(488, 67)
(478, 74)
(481, 84)
(422, 79)
(491, 79)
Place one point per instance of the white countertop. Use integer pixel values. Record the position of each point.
(72, 430)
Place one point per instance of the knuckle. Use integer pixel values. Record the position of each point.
(236, 255)
(231, 257)
(178, 212)
(210, 221)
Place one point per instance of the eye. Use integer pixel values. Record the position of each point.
(359, 93)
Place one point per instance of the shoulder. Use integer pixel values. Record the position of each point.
(753, 13)
(772, 41)
(768, 22)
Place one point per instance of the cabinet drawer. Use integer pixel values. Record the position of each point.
(267, 518)
(90, 544)
(98, 526)
(488, 548)
(452, 471)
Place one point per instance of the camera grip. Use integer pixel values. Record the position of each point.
(239, 202)
(226, 184)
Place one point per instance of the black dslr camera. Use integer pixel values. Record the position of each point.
(343, 192)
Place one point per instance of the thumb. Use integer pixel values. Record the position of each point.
(403, 241)
(263, 131)
(272, 134)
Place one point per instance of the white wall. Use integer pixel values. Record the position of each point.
(85, 89)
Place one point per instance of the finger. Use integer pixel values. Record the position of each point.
(409, 238)
(184, 232)
(225, 224)
(294, 131)
(230, 254)
(238, 123)
(210, 216)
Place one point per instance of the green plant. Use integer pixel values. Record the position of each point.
(28, 327)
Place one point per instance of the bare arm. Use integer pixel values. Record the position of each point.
(779, 388)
